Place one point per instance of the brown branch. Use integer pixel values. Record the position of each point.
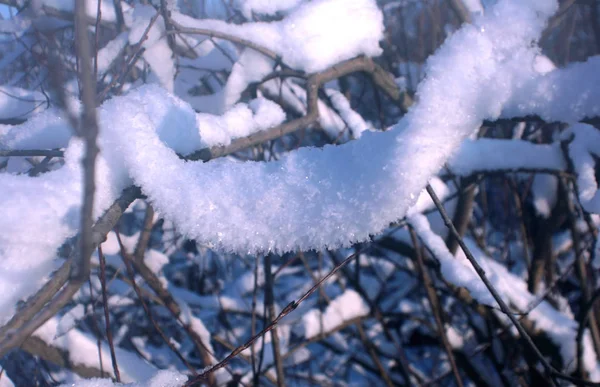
(109, 336)
(270, 305)
(435, 306)
(32, 153)
(503, 307)
(23, 323)
(127, 261)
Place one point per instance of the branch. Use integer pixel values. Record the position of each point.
(503, 307)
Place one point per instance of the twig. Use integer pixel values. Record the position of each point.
(269, 303)
(25, 321)
(287, 310)
(109, 336)
(127, 261)
(32, 153)
(481, 273)
(434, 304)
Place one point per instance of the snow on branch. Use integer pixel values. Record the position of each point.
(312, 198)
(313, 37)
(560, 328)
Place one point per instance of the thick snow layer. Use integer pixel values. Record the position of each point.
(338, 195)
(316, 35)
(39, 214)
(568, 95)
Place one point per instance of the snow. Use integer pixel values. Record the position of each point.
(163, 378)
(312, 198)
(109, 53)
(19, 103)
(567, 95)
(347, 306)
(250, 67)
(313, 37)
(362, 185)
(544, 190)
(82, 349)
(265, 7)
(560, 328)
(157, 51)
(474, 6)
(490, 155)
(5, 380)
(107, 8)
(585, 145)
(39, 214)
(458, 271)
(354, 121)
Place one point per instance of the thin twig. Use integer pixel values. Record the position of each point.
(109, 336)
(505, 309)
(270, 305)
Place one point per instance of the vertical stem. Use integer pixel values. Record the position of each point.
(269, 301)
(435, 306)
(109, 337)
(481, 273)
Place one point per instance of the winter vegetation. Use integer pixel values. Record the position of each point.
(299, 192)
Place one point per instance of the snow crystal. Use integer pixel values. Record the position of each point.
(301, 201)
